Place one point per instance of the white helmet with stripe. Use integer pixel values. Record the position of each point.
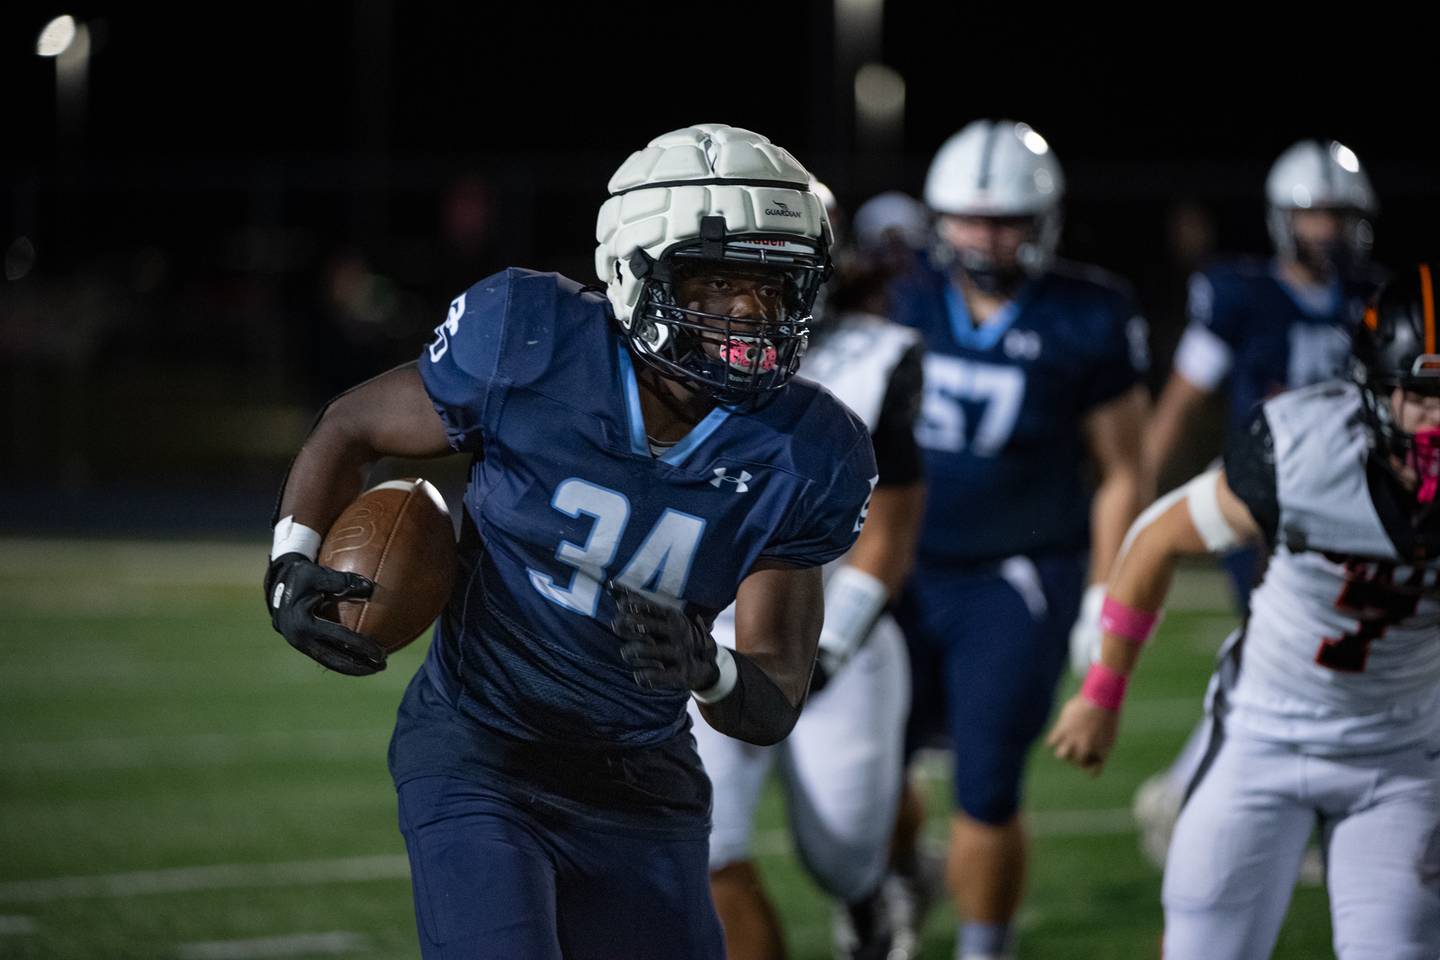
(1001, 168)
(1320, 175)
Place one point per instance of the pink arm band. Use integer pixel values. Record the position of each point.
(1104, 687)
(1123, 621)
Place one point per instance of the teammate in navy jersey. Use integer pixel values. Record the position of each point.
(1266, 327)
(1032, 371)
(642, 459)
(1275, 325)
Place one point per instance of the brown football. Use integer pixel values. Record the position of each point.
(399, 535)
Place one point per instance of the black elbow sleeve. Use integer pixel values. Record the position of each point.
(756, 711)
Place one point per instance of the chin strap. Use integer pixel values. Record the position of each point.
(1424, 459)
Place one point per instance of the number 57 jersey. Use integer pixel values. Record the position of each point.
(1341, 652)
(1002, 419)
(529, 374)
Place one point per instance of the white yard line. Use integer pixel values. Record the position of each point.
(232, 876)
(189, 750)
(208, 749)
(1046, 824)
(776, 842)
(169, 563)
(296, 945)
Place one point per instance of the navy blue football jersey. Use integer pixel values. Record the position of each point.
(1001, 420)
(529, 373)
(1266, 335)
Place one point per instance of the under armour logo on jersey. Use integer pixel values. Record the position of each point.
(742, 482)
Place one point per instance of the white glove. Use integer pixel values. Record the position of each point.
(1085, 635)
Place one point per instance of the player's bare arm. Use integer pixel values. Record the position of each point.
(1173, 412)
(778, 613)
(874, 571)
(886, 547)
(1204, 516)
(1113, 434)
(389, 415)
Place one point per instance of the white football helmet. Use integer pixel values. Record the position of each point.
(892, 214)
(1000, 168)
(1320, 175)
(713, 193)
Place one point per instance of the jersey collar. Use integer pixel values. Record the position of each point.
(1414, 534)
(1319, 304)
(987, 335)
(635, 419)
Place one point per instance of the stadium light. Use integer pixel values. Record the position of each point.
(879, 93)
(57, 36)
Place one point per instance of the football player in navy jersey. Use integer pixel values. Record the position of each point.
(642, 459)
(1032, 371)
(1275, 325)
(1266, 326)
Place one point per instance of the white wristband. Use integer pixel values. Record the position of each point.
(729, 674)
(292, 537)
(853, 600)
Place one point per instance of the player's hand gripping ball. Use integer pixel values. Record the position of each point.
(384, 573)
(295, 588)
(666, 648)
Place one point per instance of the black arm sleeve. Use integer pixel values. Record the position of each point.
(1250, 472)
(756, 711)
(896, 453)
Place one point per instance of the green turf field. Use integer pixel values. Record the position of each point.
(175, 782)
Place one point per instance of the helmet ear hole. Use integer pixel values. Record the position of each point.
(654, 334)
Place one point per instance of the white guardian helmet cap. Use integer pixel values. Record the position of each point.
(718, 194)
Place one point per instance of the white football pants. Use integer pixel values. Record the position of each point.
(840, 767)
(1238, 844)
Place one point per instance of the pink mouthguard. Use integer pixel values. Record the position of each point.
(1425, 461)
(747, 355)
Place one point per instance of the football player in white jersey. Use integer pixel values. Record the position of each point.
(1325, 707)
(1257, 327)
(841, 766)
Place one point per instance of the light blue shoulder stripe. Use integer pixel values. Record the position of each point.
(638, 442)
(633, 414)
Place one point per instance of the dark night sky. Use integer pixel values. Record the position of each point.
(189, 111)
(263, 202)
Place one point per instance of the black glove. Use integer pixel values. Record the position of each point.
(294, 586)
(666, 648)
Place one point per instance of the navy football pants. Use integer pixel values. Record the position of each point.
(497, 878)
(987, 646)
